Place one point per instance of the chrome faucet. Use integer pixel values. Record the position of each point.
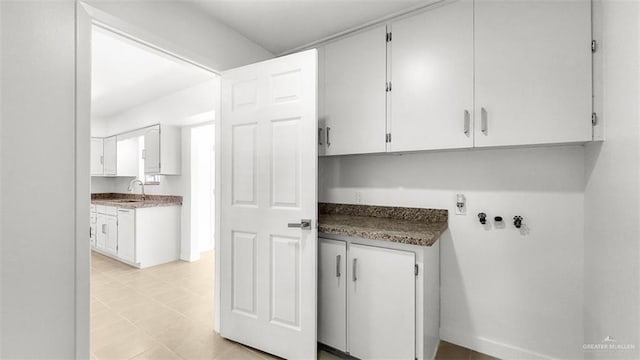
(141, 186)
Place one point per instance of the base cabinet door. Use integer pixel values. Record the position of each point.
(332, 293)
(381, 309)
(126, 234)
(111, 238)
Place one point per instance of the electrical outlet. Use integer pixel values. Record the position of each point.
(358, 197)
(461, 204)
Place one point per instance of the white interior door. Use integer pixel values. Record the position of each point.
(268, 179)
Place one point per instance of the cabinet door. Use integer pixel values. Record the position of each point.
(354, 91)
(97, 159)
(126, 234)
(151, 154)
(110, 156)
(533, 72)
(381, 303)
(101, 232)
(111, 239)
(128, 157)
(432, 79)
(332, 293)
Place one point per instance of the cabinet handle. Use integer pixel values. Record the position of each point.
(338, 257)
(144, 154)
(101, 160)
(355, 261)
(319, 136)
(467, 122)
(328, 138)
(104, 227)
(484, 126)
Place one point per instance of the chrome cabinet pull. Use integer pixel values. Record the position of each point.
(338, 257)
(319, 136)
(484, 126)
(355, 261)
(304, 224)
(102, 160)
(467, 122)
(328, 138)
(104, 227)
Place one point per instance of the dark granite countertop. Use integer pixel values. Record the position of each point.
(414, 226)
(134, 201)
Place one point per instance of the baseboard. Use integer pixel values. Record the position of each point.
(488, 346)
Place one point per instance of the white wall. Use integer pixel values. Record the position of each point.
(204, 38)
(181, 108)
(202, 186)
(38, 180)
(612, 192)
(505, 292)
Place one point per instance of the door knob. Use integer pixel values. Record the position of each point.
(303, 224)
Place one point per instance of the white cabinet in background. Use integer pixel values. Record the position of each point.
(354, 76)
(532, 72)
(382, 302)
(162, 150)
(107, 237)
(128, 156)
(432, 79)
(332, 293)
(126, 234)
(97, 156)
(110, 156)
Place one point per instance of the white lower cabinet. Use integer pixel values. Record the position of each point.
(332, 293)
(126, 234)
(372, 304)
(107, 237)
(381, 303)
(141, 237)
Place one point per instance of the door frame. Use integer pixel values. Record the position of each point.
(87, 15)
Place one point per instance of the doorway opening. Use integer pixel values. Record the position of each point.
(152, 218)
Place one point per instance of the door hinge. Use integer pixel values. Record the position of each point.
(387, 138)
(389, 37)
(594, 46)
(416, 270)
(594, 119)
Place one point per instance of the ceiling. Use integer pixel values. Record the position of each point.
(279, 26)
(126, 74)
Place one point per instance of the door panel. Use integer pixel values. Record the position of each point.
(533, 72)
(152, 150)
(110, 156)
(355, 71)
(111, 244)
(332, 293)
(269, 175)
(97, 159)
(381, 303)
(432, 76)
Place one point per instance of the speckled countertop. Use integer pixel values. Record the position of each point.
(134, 201)
(414, 226)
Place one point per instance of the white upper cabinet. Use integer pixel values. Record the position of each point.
(354, 75)
(431, 56)
(128, 155)
(110, 156)
(162, 150)
(97, 156)
(532, 72)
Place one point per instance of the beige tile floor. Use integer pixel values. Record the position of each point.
(166, 312)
